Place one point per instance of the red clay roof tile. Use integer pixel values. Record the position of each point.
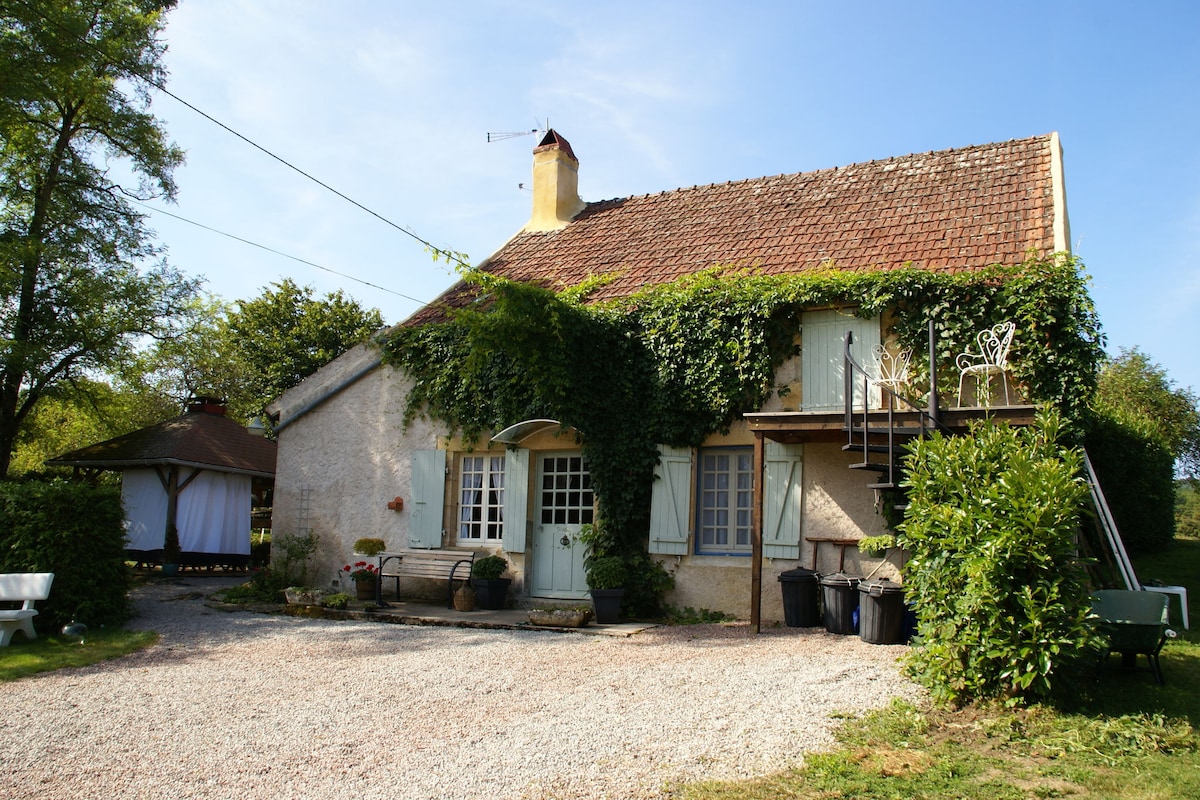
(953, 210)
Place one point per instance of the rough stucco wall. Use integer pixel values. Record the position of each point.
(342, 462)
(837, 504)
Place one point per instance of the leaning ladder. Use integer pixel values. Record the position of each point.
(1124, 565)
(1109, 526)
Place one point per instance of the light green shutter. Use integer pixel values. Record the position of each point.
(516, 500)
(670, 519)
(823, 354)
(429, 491)
(783, 496)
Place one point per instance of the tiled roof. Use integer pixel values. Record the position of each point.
(198, 438)
(953, 210)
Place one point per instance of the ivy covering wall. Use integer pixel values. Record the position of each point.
(678, 362)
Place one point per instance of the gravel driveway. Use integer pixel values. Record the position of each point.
(243, 705)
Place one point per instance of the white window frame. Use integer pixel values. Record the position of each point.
(481, 487)
(737, 506)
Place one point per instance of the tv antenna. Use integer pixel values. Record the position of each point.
(499, 137)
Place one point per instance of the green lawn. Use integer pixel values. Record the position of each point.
(27, 657)
(1129, 740)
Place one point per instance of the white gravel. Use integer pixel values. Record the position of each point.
(244, 705)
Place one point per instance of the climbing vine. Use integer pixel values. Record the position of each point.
(675, 363)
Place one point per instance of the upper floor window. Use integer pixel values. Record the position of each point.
(481, 500)
(725, 500)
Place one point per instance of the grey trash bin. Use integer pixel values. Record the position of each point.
(881, 612)
(840, 600)
(800, 608)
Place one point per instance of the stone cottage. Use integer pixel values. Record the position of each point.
(728, 515)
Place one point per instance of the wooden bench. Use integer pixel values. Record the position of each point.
(447, 565)
(23, 588)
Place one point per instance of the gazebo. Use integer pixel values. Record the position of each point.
(199, 472)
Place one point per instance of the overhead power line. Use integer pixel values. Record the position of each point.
(158, 210)
(449, 255)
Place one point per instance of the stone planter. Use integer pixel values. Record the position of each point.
(560, 617)
(299, 596)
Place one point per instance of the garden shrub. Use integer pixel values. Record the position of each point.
(999, 592)
(76, 531)
(1137, 473)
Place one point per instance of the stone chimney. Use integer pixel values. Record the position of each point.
(555, 184)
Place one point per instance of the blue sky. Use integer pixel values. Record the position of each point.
(391, 103)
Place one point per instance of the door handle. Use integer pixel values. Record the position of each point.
(565, 541)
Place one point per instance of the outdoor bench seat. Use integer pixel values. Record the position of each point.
(23, 588)
(442, 564)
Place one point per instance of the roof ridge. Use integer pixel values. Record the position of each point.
(836, 168)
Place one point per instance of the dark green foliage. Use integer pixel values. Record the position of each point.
(678, 362)
(1000, 595)
(489, 568)
(1136, 472)
(606, 573)
(76, 531)
(1187, 510)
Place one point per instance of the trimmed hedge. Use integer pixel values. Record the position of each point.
(76, 531)
(1137, 473)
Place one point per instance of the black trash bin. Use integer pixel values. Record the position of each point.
(800, 598)
(840, 600)
(881, 612)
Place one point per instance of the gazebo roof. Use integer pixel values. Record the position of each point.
(203, 438)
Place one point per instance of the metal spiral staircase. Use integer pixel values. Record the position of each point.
(880, 433)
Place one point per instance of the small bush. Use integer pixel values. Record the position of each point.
(76, 531)
(489, 568)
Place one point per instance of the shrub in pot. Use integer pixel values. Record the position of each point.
(369, 546)
(491, 590)
(606, 578)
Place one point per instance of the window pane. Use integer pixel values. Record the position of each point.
(725, 499)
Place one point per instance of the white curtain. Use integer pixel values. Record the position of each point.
(145, 502)
(212, 515)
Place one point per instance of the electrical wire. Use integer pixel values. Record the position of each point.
(158, 210)
(449, 255)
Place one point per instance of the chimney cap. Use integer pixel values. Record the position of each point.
(553, 139)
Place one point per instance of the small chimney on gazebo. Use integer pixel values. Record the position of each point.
(206, 405)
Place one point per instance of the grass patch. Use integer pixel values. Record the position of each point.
(47, 653)
(1125, 739)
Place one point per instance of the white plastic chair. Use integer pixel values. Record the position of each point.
(992, 359)
(890, 368)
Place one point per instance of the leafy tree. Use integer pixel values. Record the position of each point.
(78, 414)
(285, 335)
(1137, 386)
(1187, 510)
(76, 140)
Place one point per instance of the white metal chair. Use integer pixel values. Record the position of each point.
(890, 368)
(992, 359)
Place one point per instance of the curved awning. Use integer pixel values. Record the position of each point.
(515, 434)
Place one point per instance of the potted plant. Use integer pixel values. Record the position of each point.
(369, 546)
(365, 576)
(491, 590)
(606, 584)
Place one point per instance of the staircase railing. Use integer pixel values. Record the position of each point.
(927, 418)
